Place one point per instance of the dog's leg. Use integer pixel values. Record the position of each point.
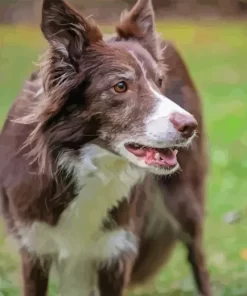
(196, 259)
(113, 279)
(35, 274)
(77, 277)
(85, 278)
(186, 203)
(194, 226)
(196, 256)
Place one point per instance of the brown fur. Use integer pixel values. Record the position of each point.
(70, 113)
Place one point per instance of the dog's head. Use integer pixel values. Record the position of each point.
(110, 91)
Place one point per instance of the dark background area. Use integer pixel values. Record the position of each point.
(14, 11)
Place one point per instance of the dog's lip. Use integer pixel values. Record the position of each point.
(154, 156)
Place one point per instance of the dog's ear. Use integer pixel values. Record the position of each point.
(66, 30)
(139, 23)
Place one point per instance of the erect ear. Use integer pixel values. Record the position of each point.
(66, 30)
(139, 23)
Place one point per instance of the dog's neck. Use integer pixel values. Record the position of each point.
(95, 161)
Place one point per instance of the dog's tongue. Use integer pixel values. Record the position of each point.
(161, 157)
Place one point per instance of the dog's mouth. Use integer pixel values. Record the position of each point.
(165, 158)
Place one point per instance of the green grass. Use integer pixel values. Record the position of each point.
(216, 55)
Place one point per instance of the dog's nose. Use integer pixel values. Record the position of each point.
(184, 123)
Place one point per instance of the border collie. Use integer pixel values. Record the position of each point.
(90, 158)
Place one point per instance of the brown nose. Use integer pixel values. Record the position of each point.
(184, 123)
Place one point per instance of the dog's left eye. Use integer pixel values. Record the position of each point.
(121, 87)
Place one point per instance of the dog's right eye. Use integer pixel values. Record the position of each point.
(121, 87)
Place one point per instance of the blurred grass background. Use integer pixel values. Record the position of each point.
(216, 55)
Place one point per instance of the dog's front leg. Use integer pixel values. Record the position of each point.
(35, 274)
(77, 277)
(114, 279)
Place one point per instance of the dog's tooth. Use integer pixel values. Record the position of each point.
(175, 152)
(157, 156)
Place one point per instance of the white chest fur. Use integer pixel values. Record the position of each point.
(103, 181)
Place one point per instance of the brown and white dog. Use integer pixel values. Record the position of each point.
(90, 156)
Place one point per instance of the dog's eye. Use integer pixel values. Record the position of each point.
(121, 87)
(160, 82)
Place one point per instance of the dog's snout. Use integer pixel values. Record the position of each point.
(184, 123)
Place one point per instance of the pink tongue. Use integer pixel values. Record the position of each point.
(165, 159)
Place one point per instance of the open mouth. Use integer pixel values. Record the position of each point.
(160, 157)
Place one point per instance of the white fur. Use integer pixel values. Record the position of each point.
(78, 239)
(158, 126)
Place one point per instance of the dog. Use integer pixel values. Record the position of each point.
(103, 159)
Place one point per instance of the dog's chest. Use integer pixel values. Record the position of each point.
(80, 231)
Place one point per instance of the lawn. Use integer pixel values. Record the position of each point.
(216, 55)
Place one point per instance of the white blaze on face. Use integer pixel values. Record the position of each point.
(158, 126)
